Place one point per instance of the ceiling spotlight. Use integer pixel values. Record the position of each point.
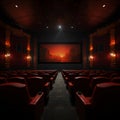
(71, 27)
(103, 5)
(47, 27)
(59, 27)
(16, 6)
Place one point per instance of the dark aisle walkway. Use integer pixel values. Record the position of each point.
(59, 106)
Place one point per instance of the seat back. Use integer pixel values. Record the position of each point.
(116, 79)
(98, 79)
(3, 80)
(106, 98)
(82, 84)
(17, 79)
(35, 84)
(14, 94)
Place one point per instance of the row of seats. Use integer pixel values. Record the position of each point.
(83, 81)
(25, 97)
(95, 97)
(103, 104)
(35, 80)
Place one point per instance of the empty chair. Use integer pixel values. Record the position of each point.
(2, 80)
(17, 104)
(47, 78)
(2, 74)
(96, 80)
(17, 79)
(38, 84)
(116, 79)
(81, 84)
(114, 74)
(103, 104)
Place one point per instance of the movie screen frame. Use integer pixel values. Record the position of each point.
(60, 53)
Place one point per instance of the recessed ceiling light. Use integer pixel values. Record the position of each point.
(71, 27)
(59, 27)
(103, 5)
(16, 6)
(47, 27)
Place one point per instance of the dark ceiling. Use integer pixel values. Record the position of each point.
(36, 15)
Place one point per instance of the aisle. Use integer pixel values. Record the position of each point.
(59, 106)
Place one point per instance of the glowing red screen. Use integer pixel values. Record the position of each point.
(60, 53)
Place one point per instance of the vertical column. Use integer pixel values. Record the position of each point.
(28, 53)
(7, 49)
(35, 53)
(91, 51)
(112, 48)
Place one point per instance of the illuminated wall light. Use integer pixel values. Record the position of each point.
(112, 43)
(28, 48)
(112, 54)
(7, 43)
(91, 48)
(28, 57)
(91, 57)
(7, 55)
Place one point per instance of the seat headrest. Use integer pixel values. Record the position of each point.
(13, 84)
(107, 84)
(35, 77)
(14, 93)
(108, 91)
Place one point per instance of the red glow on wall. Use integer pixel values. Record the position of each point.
(60, 53)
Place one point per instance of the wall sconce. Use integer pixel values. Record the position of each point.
(91, 48)
(28, 57)
(91, 57)
(7, 59)
(7, 43)
(113, 59)
(112, 54)
(91, 60)
(7, 55)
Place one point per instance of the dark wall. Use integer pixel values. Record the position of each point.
(13, 48)
(60, 36)
(106, 47)
(2, 47)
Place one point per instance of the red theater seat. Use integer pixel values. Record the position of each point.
(17, 79)
(38, 84)
(81, 84)
(2, 80)
(17, 104)
(104, 104)
(116, 79)
(96, 80)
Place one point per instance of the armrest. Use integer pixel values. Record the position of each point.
(66, 78)
(47, 84)
(83, 107)
(51, 78)
(85, 100)
(70, 84)
(35, 100)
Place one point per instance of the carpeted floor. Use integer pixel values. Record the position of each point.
(59, 106)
